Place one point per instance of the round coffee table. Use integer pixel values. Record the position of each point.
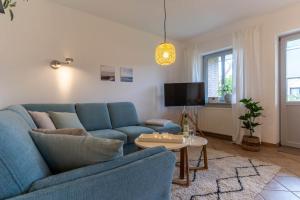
(194, 141)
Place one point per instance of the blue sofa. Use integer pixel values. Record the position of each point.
(111, 120)
(24, 174)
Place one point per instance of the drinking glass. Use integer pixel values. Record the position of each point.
(191, 135)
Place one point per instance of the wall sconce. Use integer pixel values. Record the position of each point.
(55, 64)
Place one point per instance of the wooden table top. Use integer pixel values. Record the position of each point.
(194, 141)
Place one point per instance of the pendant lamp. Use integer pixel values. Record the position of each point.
(165, 53)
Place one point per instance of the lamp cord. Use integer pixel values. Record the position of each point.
(165, 22)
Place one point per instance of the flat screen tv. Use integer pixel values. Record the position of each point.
(184, 94)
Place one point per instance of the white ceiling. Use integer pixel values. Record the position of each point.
(186, 18)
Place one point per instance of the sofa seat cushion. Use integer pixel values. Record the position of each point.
(94, 116)
(130, 148)
(134, 132)
(168, 128)
(110, 134)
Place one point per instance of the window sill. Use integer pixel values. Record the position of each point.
(219, 105)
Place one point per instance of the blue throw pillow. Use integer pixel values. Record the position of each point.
(65, 120)
(67, 152)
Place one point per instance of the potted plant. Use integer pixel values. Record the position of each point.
(8, 5)
(249, 121)
(225, 90)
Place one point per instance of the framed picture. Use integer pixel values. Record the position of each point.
(126, 74)
(107, 73)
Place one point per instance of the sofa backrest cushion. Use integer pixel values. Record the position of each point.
(51, 107)
(94, 116)
(23, 113)
(123, 114)
(21, 163)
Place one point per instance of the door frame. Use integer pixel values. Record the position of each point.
(282, 89)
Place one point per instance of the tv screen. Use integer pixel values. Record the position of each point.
(184, 94)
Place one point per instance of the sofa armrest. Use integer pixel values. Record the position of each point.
(144, 178)
(94, 169)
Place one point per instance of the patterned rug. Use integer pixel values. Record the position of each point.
(229, 177)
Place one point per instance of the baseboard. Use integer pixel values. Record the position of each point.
(266, 144)
(229, 138)
(289, 150)
(217, 135)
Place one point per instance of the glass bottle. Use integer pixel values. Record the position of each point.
(185, 124)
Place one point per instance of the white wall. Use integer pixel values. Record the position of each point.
(43, 30)
(273, 25)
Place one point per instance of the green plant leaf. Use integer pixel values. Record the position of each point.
(11, 13)
(14, 4)
(253, 110)
(5, 4)
(8, 5)
(242, 118)
(225, 88)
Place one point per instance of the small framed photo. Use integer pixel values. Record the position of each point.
(126, 74)
(107, 73)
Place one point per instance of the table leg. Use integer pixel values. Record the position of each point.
(205, 157)
(182, 163)
(184, 177)
(187, 167)
(205, 167)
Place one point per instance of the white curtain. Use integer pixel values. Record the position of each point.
(246, 74)
(193, 62)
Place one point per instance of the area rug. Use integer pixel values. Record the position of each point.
(229, 177)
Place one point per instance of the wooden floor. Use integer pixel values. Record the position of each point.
(286, 185)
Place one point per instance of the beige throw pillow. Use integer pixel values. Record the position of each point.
(42, 120)
(67, 152)
(65, 120)
(66, 131)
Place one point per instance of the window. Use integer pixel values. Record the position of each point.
(295, 91)
(218, 77)
(292, 70)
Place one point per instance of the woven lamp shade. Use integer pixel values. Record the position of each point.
(165, 54)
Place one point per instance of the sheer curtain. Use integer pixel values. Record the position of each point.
(193, 61)
(246, 74)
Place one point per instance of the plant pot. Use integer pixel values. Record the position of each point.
(228, 98)
(251, 143)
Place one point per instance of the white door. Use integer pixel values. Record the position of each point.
(290, 90)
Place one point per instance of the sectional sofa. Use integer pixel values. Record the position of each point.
(112, 120)
(24, 174)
